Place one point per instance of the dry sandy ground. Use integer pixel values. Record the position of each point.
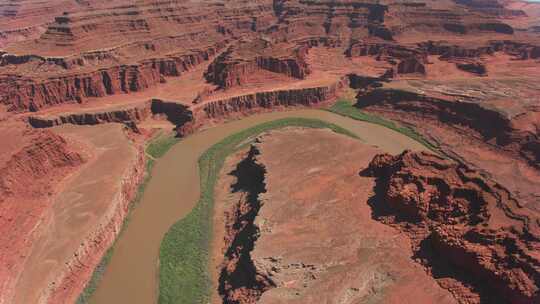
(318, 242)
(86, 205)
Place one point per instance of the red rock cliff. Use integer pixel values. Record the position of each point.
(25, 94)
(466, 230)
(486, 124)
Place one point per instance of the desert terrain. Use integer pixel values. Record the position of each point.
(416, 165)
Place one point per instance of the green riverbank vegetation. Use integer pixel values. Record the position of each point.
(184, 252)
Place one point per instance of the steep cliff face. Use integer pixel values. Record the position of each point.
(129, 115)
(474, 119)
(179, 115)
(233, 66)
(272, 99)
(48, 154)
(27, 180)
(191, 119)
(448, 51)
(473, 237)
(491, 7)
(412, 58)
(78, 270)
(240, 281)
(474, 67)
(340, 20)
(411, 66)
(383, 51)
(24, 94)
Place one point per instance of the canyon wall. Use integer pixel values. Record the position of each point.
(24, 94)
(27, 181)
(470, 118)
(196, 116)
(46, 153)
(230, 69)
(447, 50)
(469, 232)
(129, 115)
(72, 279)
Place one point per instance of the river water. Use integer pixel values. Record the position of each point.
(132, 274)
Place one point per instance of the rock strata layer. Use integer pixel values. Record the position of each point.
(469, 232)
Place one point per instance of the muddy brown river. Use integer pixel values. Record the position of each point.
(132, 274)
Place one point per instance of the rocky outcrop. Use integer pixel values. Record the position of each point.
(470, 118)
(292, 67)
(339, 19)
(71, 281)
(491, 7)
(448, 51)
(474, 67)
(239, 280)
(384, 51)
(234, 66)
(25, 94)
(129, 115)
(47, 154)
(364, 83)
(179, 115)
(469, 233)
(272, 99)
(411, 66)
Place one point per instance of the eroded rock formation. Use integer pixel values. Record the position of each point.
(469, 232)
(239, 281)
(272, 99)
(24, 94)
(127, 116)
(232, 67)
(47, 154)
(489, 125)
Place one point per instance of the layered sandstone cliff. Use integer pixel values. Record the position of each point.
(128, 116)
(28, 180)
(25, 94)
(188, 120)
(470, 118)
(271, 99)
(469, 232)
(46, 153)
(73, 277)
(232, 67)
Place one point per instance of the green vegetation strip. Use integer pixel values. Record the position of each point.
(183, 272)
(345, 108)
(156, 149)
(159, 146)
